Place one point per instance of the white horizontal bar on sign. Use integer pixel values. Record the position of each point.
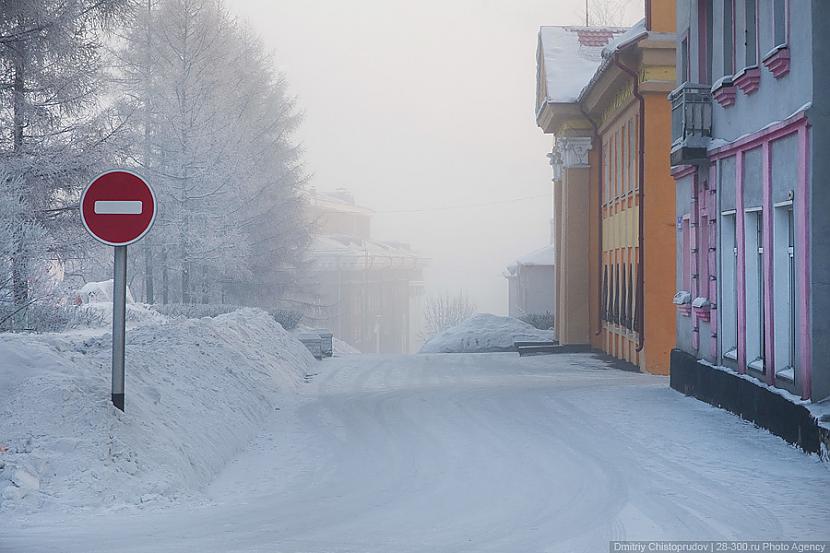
(118, 207)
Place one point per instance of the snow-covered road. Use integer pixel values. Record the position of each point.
(475, 453)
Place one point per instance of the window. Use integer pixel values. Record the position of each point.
(606, 169)
(704, 41)
(617, 163)
(703, 258)
(604, 307)
(779, 22)
(728, 37)
(751, 32)
(686, 276)
(754, 279)
(729, 285)
(784, 291)
(616, 316)
(684, 59)
(632, 155)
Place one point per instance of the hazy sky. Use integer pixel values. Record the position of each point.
(419, 107)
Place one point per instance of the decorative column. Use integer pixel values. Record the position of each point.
(575, 151)
(573, 243)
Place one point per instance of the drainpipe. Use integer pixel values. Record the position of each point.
(598, 143)
(640, 180)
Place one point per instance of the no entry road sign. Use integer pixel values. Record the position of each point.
(118, 207)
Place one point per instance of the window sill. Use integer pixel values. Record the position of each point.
(758, 365)
(787, 374)
(732, 354)
(748, 79)
(778, 61)
(724, 93)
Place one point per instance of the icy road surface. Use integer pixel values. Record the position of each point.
(475, 453)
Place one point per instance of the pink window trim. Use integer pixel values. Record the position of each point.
(799, 124)
(748, 80)
(773, 132)
(686, 277)
(713, 253)
(725, 94)
(769, 305)
(694, 259)
(740, 264)
(778, 61)
(802, 205)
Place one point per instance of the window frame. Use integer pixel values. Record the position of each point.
(756, 51)
(705, 42)
(729, 54)
(729, 286)
(777, 45)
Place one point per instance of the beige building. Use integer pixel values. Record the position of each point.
(368, 292)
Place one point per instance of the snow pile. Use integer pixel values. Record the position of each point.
(197, 391)
(99, 315)
(97, 292)
(343, 348)
(484, 333)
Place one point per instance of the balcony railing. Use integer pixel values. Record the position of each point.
(691, 118)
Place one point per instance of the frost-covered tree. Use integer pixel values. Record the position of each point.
(54, 130)
(446, 311)
(606, 13)
(215, 136)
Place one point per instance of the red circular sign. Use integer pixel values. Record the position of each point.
(118, 207)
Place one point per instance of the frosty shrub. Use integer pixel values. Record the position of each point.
(194, 310)
(51, 318)
(288, 318)
(542, 321)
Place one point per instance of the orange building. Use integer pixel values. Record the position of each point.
(602, 94)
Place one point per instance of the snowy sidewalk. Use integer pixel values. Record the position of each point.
(482, 452)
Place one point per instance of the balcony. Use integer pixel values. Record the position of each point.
(691, 123)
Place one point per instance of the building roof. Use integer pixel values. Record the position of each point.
(621, 42)
(337, 251)
(542, 256)
(567, 58)
(339, 202)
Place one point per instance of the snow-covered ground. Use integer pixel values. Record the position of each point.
(470, 453)
(485, 333)
(197, 390)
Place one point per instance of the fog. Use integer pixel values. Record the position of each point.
(424, 111)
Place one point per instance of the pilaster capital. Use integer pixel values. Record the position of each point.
(574, 151)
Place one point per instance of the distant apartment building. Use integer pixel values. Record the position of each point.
(530, 283)
(749, 129)
(602, 94)
(368, 292)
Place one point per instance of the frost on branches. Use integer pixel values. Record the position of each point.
(179, 91)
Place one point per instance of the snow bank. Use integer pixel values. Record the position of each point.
(342, 348)
(197, 391)
(484, 333)
(97, 292)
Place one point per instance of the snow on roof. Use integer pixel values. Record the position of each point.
(347, 252)
(568, 57)
(542, 256)
(619, 43)
(335, 202)
(622, 40)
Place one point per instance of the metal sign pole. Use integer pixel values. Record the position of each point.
(119, 308)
